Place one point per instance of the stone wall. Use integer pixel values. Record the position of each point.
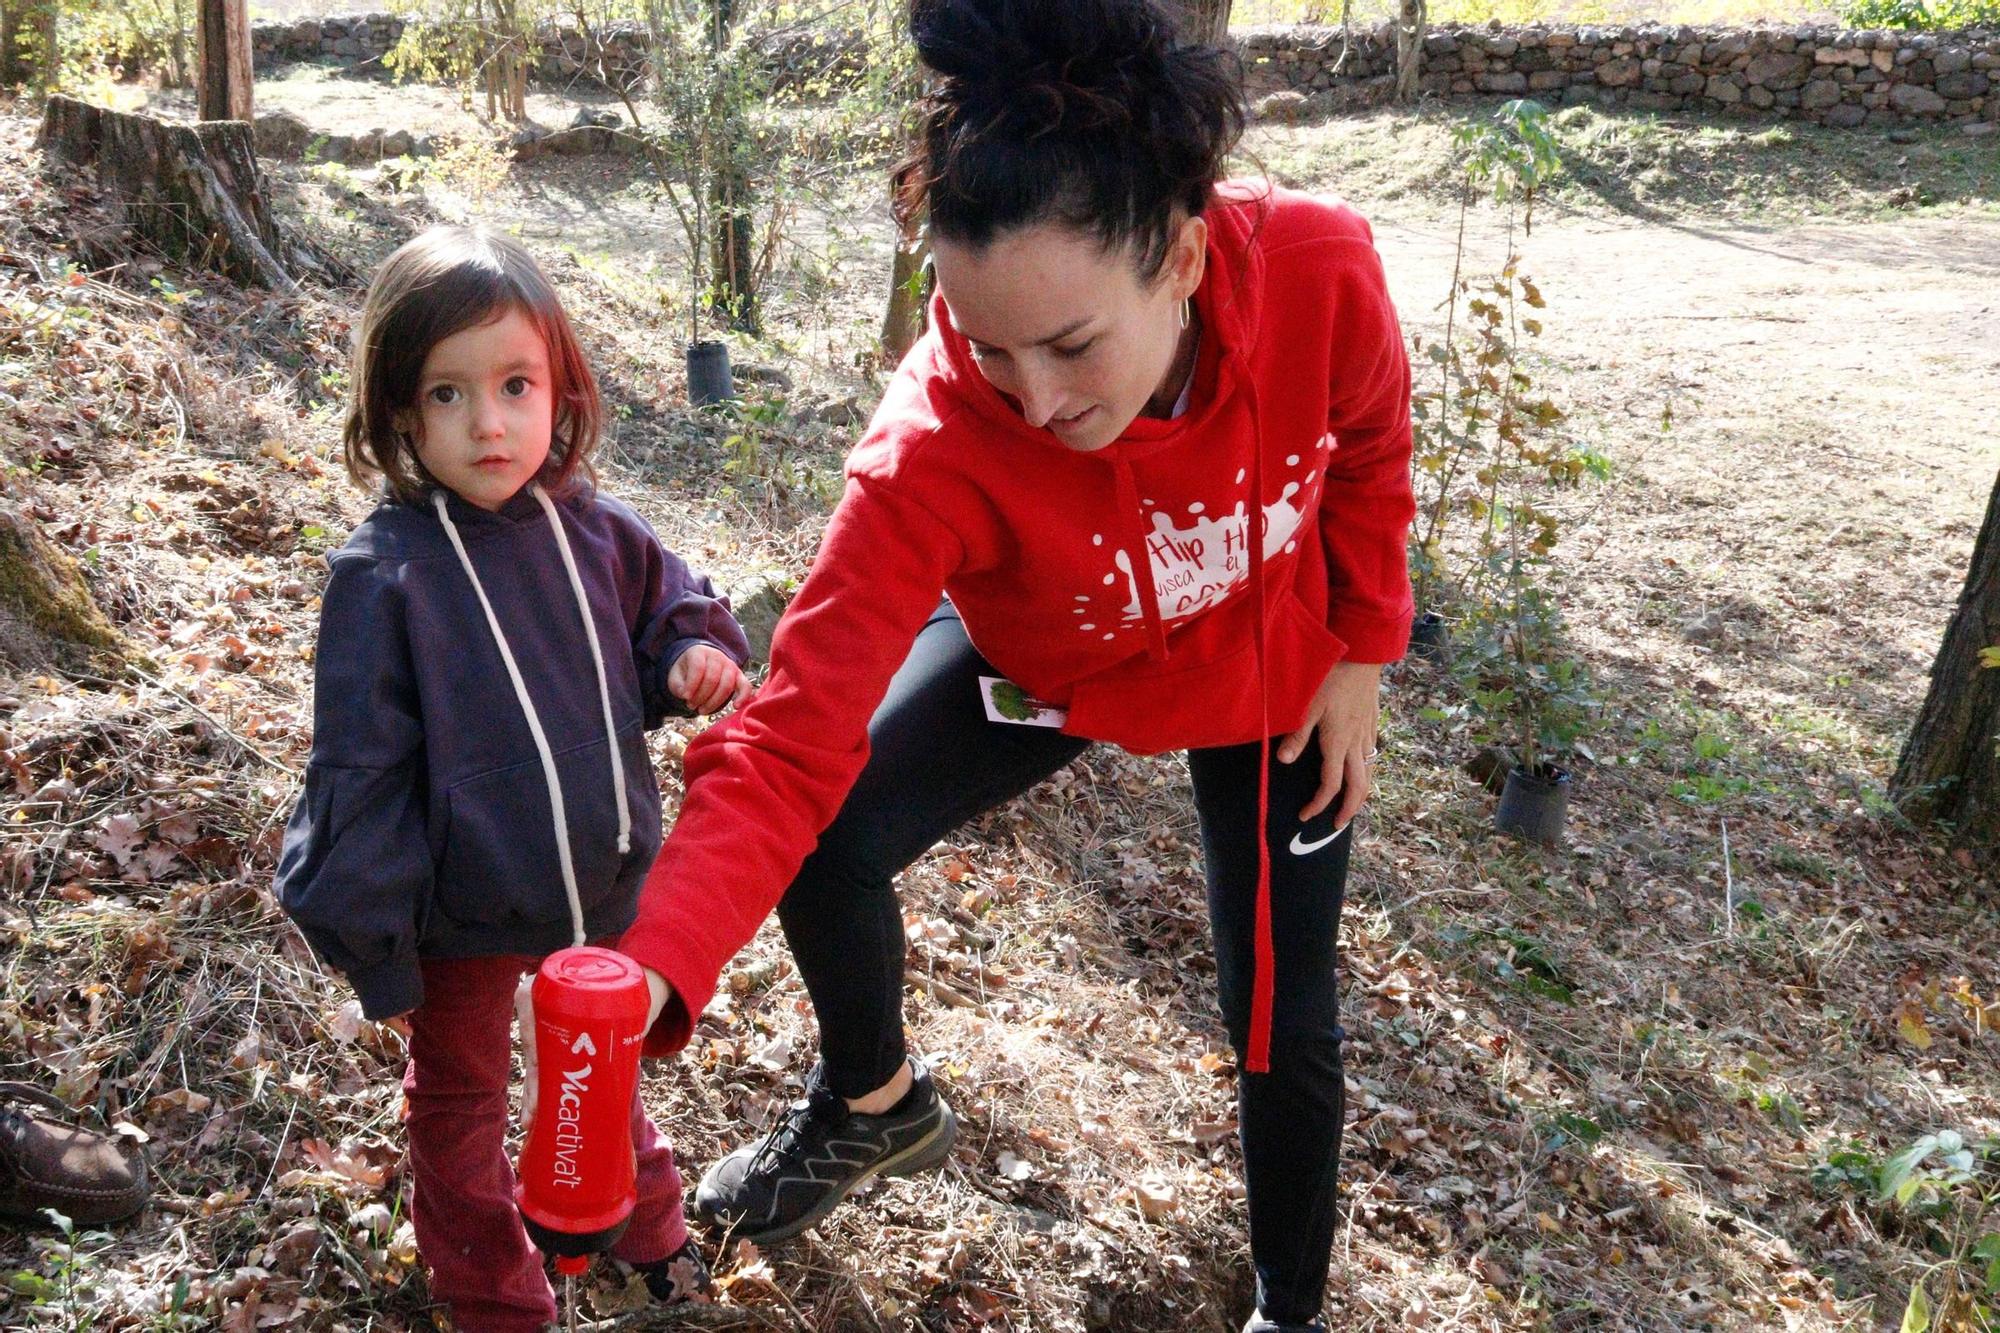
(1828, 75)
(361, 40)
(793, 55)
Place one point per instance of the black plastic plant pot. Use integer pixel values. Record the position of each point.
(1534, 805)
(708, 374)
(1430, 638)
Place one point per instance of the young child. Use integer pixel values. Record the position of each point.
(494, 642)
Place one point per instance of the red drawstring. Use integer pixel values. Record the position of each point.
(1264, 987)
(1141, 560)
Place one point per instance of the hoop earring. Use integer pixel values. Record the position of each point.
(1186, 303)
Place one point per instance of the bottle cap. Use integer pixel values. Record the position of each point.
(592, 969)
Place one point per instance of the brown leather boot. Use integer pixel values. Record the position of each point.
(47, 1161)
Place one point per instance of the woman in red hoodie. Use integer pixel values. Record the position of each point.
(1154, 452)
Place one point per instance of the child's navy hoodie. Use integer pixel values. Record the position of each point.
(427, 823)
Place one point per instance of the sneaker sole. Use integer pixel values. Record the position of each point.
(926, 1154)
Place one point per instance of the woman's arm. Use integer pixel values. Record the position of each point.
(1367, 504)
(1365, 510)
(763, 784)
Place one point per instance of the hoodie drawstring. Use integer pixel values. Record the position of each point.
(1263, 992)
(597, 659)
(549, 773)
(1141, 560)
(1264, 982)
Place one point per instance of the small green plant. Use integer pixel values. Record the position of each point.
(473, 166)
(64, 1284)
(1849, 1172)
(1480, 389)
(1486, 450)
(1530, 697)
(763, 448)
(1947, 1190)
(1528, 966)
(1944, 1190)
(165, 289)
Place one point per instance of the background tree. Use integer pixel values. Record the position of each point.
(1412, 22)
(222, 60)
(731, 203)
(28, 49)
(475, 44)
(1950, 766)
(505, 62)
(1205, 20)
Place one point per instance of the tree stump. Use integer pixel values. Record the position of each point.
(191, 189)
(1950, 766)
(47, 615)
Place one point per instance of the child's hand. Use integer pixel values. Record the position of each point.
(706, 680)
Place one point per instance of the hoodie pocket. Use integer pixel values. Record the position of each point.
(501, 865)
(1207, 693)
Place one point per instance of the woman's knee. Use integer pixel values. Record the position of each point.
(839, 876)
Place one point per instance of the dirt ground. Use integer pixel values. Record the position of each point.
(1582, 1094)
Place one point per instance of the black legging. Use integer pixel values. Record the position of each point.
(935, 762)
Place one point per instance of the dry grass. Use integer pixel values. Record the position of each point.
(1580, 1095)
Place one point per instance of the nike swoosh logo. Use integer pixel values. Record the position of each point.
(1300, 847)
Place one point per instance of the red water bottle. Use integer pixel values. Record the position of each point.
(577, 1174)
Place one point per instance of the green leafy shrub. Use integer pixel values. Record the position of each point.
(1917, 14)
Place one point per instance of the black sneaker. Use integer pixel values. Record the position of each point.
(821, 1152)
(680, 1277)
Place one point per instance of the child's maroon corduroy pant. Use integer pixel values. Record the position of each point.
(457, 1095)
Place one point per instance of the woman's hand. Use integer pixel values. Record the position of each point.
(706, 680)
(658, 993)
(1344, 710)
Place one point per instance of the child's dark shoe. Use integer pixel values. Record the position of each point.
(681, 1276)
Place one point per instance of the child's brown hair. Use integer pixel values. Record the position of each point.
(443, 282)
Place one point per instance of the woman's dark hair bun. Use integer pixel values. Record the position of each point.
(1089, 113)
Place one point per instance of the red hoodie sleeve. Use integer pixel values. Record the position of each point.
(763, 784)
(1366, 508)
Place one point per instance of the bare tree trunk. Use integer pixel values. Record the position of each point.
(903, 323)
(1205, 21)
(48, 52)
(733, 244)
(222, 56)
(1412, 22)
(13, 70)
(510, 64)
(1950, 767)
(19, 20)
(177, 49)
